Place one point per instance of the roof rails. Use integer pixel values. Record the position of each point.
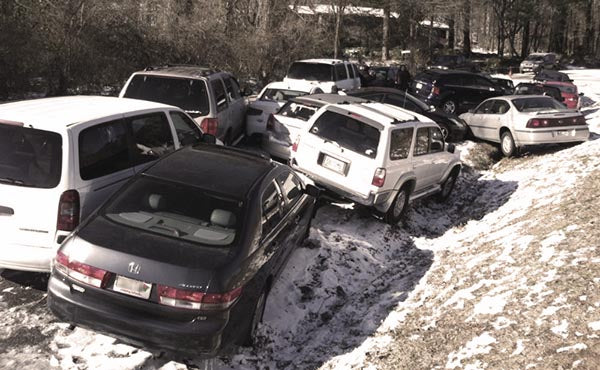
(204, 71)
(392, 118)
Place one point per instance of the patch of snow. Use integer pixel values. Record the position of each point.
(520, 347)
(478, 345)
(562, 329)
(491, 305)
(594, 325)
(574, 348)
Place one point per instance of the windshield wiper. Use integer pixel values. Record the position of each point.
(8, 180)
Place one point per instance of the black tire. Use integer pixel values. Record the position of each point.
(445, 131)
(398, 208)
(227, 138)
(447, 186)
(507, 144)
(257, 316)
(450, 106)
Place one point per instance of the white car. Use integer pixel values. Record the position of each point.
(60, 158)
(374, 154)
(328, 75)
(519, 120)
(537, 61)
(271, 98)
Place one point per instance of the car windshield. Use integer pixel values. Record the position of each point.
(177, 210)
(444, 59)
(311, 71)
(187, 94)
(280, 95)
(567, 89)
(535, 58)
(348, 133)
(30, 157)
(535, 104)
(297, 110)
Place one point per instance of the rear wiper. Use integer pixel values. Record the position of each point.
(8, 180)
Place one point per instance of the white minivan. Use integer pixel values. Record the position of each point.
(60, 158)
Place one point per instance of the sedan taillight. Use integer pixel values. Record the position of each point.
(81, 272)
(555, 122)
(195, 300)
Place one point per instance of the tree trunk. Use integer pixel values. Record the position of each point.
(525, 39)
(451, 36)
(467, 26)
(385, 52)
(338, 25)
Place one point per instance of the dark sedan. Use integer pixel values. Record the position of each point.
(453, 127)
(183, 257)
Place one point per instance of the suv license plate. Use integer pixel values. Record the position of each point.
(334, 164)
(132, 287)
(565, 133)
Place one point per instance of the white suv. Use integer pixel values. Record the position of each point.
(60, 158)
(374, 154)
(328, 75)
(213, 98)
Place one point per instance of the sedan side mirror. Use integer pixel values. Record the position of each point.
(312, 190)
(450, 148)
(209, 139)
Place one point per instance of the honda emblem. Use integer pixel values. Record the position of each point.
(134, 268)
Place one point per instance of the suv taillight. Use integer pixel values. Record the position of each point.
(209, 126)
(68, 211)
(435, 90)
(379, 177)
(296, 144)
(194, 300)
(80, 271)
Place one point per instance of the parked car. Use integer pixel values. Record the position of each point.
(375, 154)
(213, 98)
(182, 261)
(455, 62)
(329, 75)
(538, 61)
(520, 120)
(453, 128)
(531, 88)
(268, 102)
(505, 84)
(547, 75)
(453, 91)
(383, 76)
(62, 157)
(568, 92)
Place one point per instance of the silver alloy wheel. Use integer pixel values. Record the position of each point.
(449, 106)
(399, 204)
(507, 144)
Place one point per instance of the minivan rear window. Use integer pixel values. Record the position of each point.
(311, 71)
(30, 157)
(348, 133)
(176, 210)
(187, 94)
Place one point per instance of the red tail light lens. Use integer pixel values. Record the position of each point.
(296, 144)
(68, 211)
(379, 177)
(435, 90)
(194, 300)
(210, 126)
(555, 122)
(80, 271)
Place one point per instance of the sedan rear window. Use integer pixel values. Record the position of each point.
(297, 110)
(536, 104)
(311, 71)
(348, 133)
(30, 157)
(177, 210)
(280, 95)
(187, 94)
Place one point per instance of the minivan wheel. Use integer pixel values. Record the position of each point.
(447, 187)
(257, 316)
(398, 207)
(507, 144)
(449, 106)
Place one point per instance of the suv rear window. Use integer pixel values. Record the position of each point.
(311, 71)
(187, 94)
(348, 133)
(296, 110)
(178, 211)
(30, 157)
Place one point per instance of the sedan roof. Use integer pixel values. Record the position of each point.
(228, 171)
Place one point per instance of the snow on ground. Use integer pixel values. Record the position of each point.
(504, 275)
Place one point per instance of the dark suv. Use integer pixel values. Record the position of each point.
(183, 257)
(453, 91)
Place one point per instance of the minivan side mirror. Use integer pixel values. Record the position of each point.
(450, 148)
(209, 139)
(312, 190)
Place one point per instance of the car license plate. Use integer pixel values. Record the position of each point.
(565, 133)
(132, 287)
(334, 164)
(418, 86)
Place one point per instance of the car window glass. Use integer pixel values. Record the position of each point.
(297, 110)
(455, 80)
(351, 70)
(400, 143)
(401, 101)
(422, 143)
(280, 95)
(500, 107)
(291, 188)
(271, 208)
(348, 133)
(340, 72)
(103, 149)
(220, 96)
(232, 92)
(485, 107)
(437, 140)
(187, 130)
(311, 71)
(483, 82)
(152, 136)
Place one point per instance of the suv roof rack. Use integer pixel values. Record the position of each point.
(394, 120)
(204, 71)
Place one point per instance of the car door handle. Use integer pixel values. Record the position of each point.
(7, 211)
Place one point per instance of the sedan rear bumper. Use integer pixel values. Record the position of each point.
(552, 135)
(275, 147)
(200, 336)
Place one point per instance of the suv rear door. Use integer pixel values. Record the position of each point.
(221, 103)
(427, 163)
(237, 106)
